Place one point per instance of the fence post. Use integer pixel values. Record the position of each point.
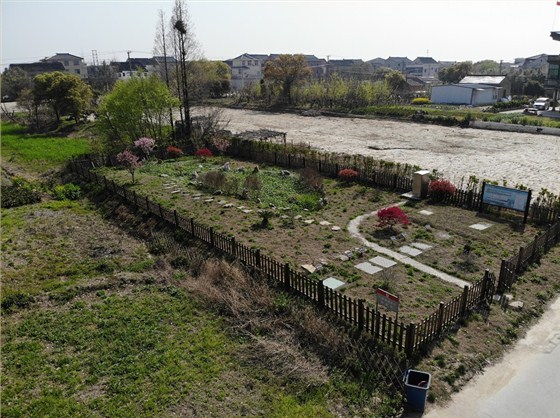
(440, 318)
(175, 216)
(410, 337)
(160, 211)
(395, 178)
(464, 299)
(212, 237)
(192, 228)
(320, 294)
(485, 286)
(360, 315)
(303, 160)
(233, 247)
(534, 253)
(258, 258)
(286, 276)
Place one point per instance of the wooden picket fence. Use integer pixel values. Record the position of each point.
(353, 312)
(510, 268)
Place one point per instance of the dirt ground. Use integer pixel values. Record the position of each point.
(520, 158)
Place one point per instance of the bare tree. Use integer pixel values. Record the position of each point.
(187, 49)
(160, 49)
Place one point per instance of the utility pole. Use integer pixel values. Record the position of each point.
(129, 63)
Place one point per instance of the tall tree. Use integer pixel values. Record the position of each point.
(456, 72)
(287, 71)
(186, 49)
(486, 67)
(13, 81)
(135, 108)
(160, 49)
(66, 93)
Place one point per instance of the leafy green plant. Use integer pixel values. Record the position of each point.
(67, 191)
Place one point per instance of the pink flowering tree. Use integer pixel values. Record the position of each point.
(130, 161)
(145, 145)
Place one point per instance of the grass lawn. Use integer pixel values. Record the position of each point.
(295, 234)
(94, 325)
(38, 153)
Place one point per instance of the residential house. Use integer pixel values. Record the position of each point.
(135, 67)
(398, 63)
(377, 63)
(490, 80)
(466, 94)
(246, 70)
(350, 68)
(36, 68)
(72, 63)
(424, 67)
(538, 63)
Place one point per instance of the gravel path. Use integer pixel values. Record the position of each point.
(520, 158)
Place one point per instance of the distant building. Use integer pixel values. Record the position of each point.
(136, 67)
(423, 67)
(36, 68)
(466, 94)
(490, 80)
(72, 63)
(398, 63)
(349, 68)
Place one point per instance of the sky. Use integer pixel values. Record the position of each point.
(447, 30)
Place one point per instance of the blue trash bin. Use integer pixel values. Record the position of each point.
(416, 385)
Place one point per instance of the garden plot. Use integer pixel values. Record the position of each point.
(284, 216)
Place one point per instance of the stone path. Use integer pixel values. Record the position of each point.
(354, 230)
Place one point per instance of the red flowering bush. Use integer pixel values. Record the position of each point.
(203, 153)
(174, 152)
(389, 217)
(440, 189)
(348, 174)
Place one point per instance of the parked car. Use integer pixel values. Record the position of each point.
(542, 103)
(532, 111)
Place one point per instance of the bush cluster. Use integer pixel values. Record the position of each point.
(389, 217)
(420, 101)
(440, 189)
(19, 193)
(68, 191)
(174, 152)
(203, 153)
(348, 174)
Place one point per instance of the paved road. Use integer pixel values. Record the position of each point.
(525, 384)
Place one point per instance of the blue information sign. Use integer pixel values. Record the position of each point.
(505, 197)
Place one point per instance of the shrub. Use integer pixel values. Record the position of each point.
(348, 174)
(174, 152)
(420, 101)
(19, 193)
(389, 217)
(311, 179)
(146, 145)
(203, 153)
(67, 192)
(440, 189)
(221, 144)
(214, 180)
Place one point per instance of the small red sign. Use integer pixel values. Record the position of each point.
(388, 300)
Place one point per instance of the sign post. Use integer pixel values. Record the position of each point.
(504, 197)
(388, 300)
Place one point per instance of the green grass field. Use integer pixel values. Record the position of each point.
(38, 153)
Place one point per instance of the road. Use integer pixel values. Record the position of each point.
(525, 384)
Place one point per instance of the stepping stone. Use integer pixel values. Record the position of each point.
(480, 226)
(228, 205)
(164, 175)
(421, 246)
(246, 211)
(209, 200)
(333, 283)
(309, 268)
(176, 191)
(368, 268)
(297, 217)
(325, 223)
(241, 207)
(309, 221)
(284, 217)
(517, 305)
(342, 257)
(335, 228)
(382, 262)
(426, 212)
(222, 202)
(443, 235)
(413, 252)
(196, 197)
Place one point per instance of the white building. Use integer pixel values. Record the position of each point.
(466, 94)
(72, 64)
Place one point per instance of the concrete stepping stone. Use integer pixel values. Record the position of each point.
(309, 221)
(413, 252)
(176, 191)
(297, 217)
(246, 211)
(443, 235)
(333, 283)
(480, 226)
(240, 207)
(325, 223)
(208, 200)
(382, 262)
(426, 212)
(310, 268)
(335, 228)
(196, 197)
(421, 246)
(228, 205)
(368, 268)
